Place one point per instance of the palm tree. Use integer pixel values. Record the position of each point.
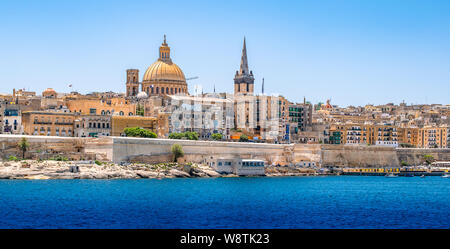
(23, 145)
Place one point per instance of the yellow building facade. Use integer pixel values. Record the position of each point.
(371, 134)
(119, 123)
(98, 106)
(434, 137)
(48, 123)
(408, 136)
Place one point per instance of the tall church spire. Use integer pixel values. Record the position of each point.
(243, 80)
(244, 62)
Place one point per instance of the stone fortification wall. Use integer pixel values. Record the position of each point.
(44, 147)
(416, 156)
(123, 149)
(358, 156)
(157, 150)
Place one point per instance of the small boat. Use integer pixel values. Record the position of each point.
(391, 175)
(446, 175)
(422, 176)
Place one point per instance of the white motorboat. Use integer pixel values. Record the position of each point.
(391, 175)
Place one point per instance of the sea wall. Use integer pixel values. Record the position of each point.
(414, 156)
(358, 156)
(45, 147)
(124, 149)
(159, 150)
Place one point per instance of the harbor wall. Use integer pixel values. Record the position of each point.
(125, 149)
(414, 156)
(45, 147)
(159, 150)
(336, 156)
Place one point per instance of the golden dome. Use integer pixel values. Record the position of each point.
(164, 71)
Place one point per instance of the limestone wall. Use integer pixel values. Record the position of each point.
(123, 149)
(358, 156)
(414, 156)
(130, 149)
(44, 147)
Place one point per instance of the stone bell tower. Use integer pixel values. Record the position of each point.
(244, 80)
(132, 82)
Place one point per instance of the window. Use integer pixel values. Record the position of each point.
(121, 113)
(92, 111)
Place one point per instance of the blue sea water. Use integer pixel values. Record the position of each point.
(261, 202)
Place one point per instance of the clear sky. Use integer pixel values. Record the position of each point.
(354, 52)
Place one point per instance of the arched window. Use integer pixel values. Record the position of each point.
(103, 112)
(175, 90)
(130, 114)
(152, 89)
(167, 90)
(157, 90)
(121, 113)
(171, 90)
(162, 90)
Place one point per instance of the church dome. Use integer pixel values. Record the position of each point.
(164, 71)
(142, 95)
(164, 77)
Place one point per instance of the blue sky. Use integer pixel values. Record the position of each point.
(354, 52)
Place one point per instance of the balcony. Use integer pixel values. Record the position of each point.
(63, 123)
(42, 122)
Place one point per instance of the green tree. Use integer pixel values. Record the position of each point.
(139, 132)
(428, 159)
(177, 152)
(404, 163)
(243, 138)
(184, 135)
(23, 145)
(216, 136)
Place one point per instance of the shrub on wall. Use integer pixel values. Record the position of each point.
(243, 138)
(139, 132)
(189, 135)
(216, 136)
(428, 159)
